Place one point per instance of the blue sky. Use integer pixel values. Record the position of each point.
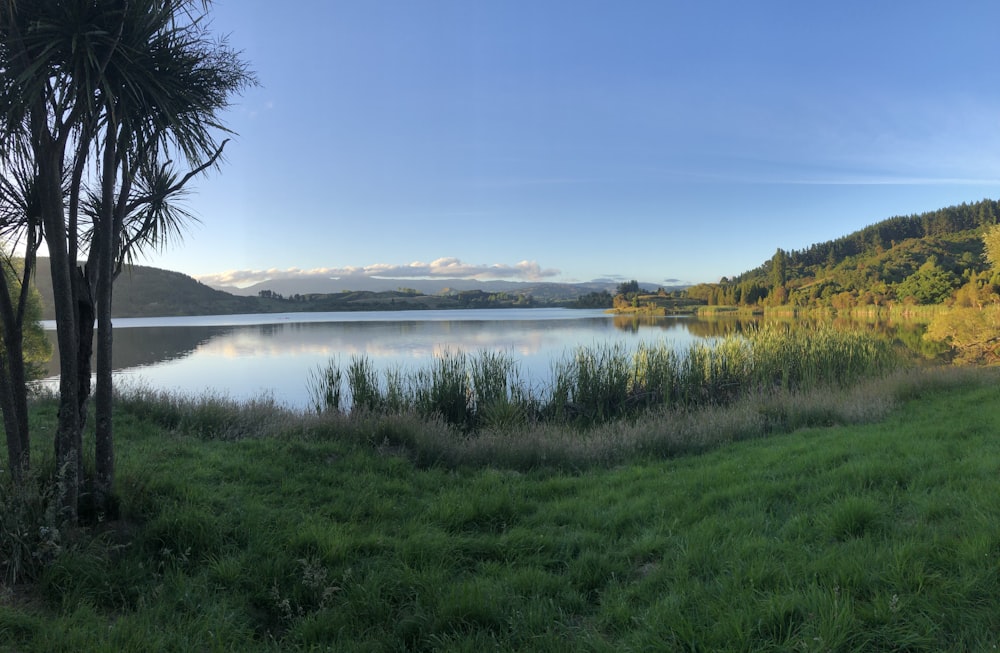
(577, 140)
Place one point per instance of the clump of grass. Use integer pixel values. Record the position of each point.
(665, 432)
(30, 536)
(211, 416)
(804, 358)
(593, 385)
(500, 397)
(364, 385)
(444, 389)
(324, 387)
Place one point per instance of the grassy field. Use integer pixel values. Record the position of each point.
(332, 535)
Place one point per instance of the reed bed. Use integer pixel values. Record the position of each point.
(599, 384)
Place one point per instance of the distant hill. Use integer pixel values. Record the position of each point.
(143, 291)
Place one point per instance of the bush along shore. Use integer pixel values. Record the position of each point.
(866, 520)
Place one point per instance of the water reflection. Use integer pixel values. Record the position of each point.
(243, 359)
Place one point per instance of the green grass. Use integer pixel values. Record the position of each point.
(877, 536)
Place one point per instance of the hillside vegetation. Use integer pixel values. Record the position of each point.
(143, 291)
(917, 259)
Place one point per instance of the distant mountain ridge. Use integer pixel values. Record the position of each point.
(316, 285)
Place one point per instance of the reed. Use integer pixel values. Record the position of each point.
(324, 387)
(362, 379)
(603, 383)
(593, 385)
(444, 389)
(500, 397)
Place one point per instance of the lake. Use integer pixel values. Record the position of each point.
(245, 356)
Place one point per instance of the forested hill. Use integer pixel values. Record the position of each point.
(145, 291)
(919, 259)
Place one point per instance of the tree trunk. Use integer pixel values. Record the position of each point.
(104, 242)
(13, 393)
(17, 453)
(68, 440)
(104, 399)
(85, 316)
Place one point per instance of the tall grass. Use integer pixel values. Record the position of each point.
(210, 416)
(29, 528)
(602, 383)
(324, 387)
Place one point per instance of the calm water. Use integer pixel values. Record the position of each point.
(244, 356)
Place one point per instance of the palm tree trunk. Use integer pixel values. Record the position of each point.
(13, 399)
(68, 439)
(104, 240)
(17, 454)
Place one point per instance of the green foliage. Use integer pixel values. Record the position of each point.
(991, 246)
(779, 268)
(363, 382)
(602, 299)
(36, 346)
(929, 285)
(628, 295)
(443, 389)
(593, 385)
(466, 391)
(211, 416)
(628, 288)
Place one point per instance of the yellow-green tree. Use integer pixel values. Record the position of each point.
(972, 333)
(972, 327)
(991, 246)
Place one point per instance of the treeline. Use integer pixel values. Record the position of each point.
(403, 298)
(918, 259)
(630, 297)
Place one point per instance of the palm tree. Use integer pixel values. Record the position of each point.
(122, 87)
(162, 94)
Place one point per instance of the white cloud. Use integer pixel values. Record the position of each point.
(442, 268)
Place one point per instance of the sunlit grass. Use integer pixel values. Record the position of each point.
(338, 532)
